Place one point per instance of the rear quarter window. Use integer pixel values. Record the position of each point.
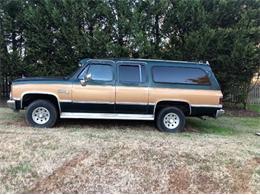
(180, 75)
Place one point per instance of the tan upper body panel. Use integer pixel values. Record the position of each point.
(132, 95)
(191, 96)
(120, 94)
(93, 93)
(61, 91)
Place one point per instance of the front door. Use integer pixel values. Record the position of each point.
(98, 95)
(131, 88)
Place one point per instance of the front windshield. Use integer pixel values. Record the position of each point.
(71, 75)
(81, 66)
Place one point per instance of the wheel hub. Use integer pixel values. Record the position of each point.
(171, 120)
(41, 115)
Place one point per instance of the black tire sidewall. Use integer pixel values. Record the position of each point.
(42, 103)
(161, 115)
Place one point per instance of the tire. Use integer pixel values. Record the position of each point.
(41, 114)
(170, 119)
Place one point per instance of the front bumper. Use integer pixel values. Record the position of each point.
(219, 113)
(13, 104)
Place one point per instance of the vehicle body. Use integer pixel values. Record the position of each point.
(131, 89)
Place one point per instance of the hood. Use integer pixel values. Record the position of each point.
(39, 80)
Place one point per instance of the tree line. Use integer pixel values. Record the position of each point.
(49, 37)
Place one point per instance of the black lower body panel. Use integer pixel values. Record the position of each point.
(105, 108)
(204, 111)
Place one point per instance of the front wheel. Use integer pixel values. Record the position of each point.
(42, 114)
(170, 119)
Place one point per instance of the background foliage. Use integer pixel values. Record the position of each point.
(49, 37)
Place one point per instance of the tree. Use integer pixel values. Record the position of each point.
(49, 37)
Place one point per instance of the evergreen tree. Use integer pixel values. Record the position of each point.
(49, 37)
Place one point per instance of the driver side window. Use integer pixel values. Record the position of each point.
(99, 72)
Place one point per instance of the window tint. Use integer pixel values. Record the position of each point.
(130, 74)
(101, 72)
(180, 75)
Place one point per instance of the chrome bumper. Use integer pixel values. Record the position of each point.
(219, 113)
(11, 104)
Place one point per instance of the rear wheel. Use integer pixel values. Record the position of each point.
(170, 119)
(42, 114)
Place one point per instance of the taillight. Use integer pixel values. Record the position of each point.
(221, 100)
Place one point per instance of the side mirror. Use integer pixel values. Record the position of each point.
(87, 78)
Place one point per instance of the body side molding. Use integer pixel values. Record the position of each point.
(106, 116)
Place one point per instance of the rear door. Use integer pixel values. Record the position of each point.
(131, 88)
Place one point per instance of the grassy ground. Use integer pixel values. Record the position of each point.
(254, 107)
(98, 156)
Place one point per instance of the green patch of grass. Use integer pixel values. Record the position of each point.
(9, 115)
(254, 107)
(252, 122)
(209, 126)
(226, 125)
(23, 167)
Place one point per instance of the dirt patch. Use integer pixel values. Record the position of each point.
(206, 183)
(179, 180)
(52, 181)
(242, 176)
(240, 112)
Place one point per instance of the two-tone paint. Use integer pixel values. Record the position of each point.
(120, 100)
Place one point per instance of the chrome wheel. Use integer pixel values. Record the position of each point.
(171, 120)
(40, 115)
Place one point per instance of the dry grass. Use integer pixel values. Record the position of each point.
(97, 156)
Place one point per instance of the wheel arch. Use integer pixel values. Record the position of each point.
(29, 97)
(181, 104)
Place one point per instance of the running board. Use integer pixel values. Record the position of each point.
(74, 115)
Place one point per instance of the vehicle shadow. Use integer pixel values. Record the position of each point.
(106, 124)
(114, 124)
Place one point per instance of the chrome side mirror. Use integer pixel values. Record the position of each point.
(87, 78)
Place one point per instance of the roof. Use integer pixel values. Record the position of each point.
(147, 60)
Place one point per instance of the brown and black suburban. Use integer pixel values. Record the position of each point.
(130, 89)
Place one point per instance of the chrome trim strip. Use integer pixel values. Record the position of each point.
(207, 105)
(106, 116)
(132, 103)
(93, 102)
(100, 102)
(69, 101)
(130, 62)
(140, 73)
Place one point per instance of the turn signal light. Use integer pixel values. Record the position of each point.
(221, 101)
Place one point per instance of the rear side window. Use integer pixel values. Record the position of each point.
(181, 75)
(131, 74)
